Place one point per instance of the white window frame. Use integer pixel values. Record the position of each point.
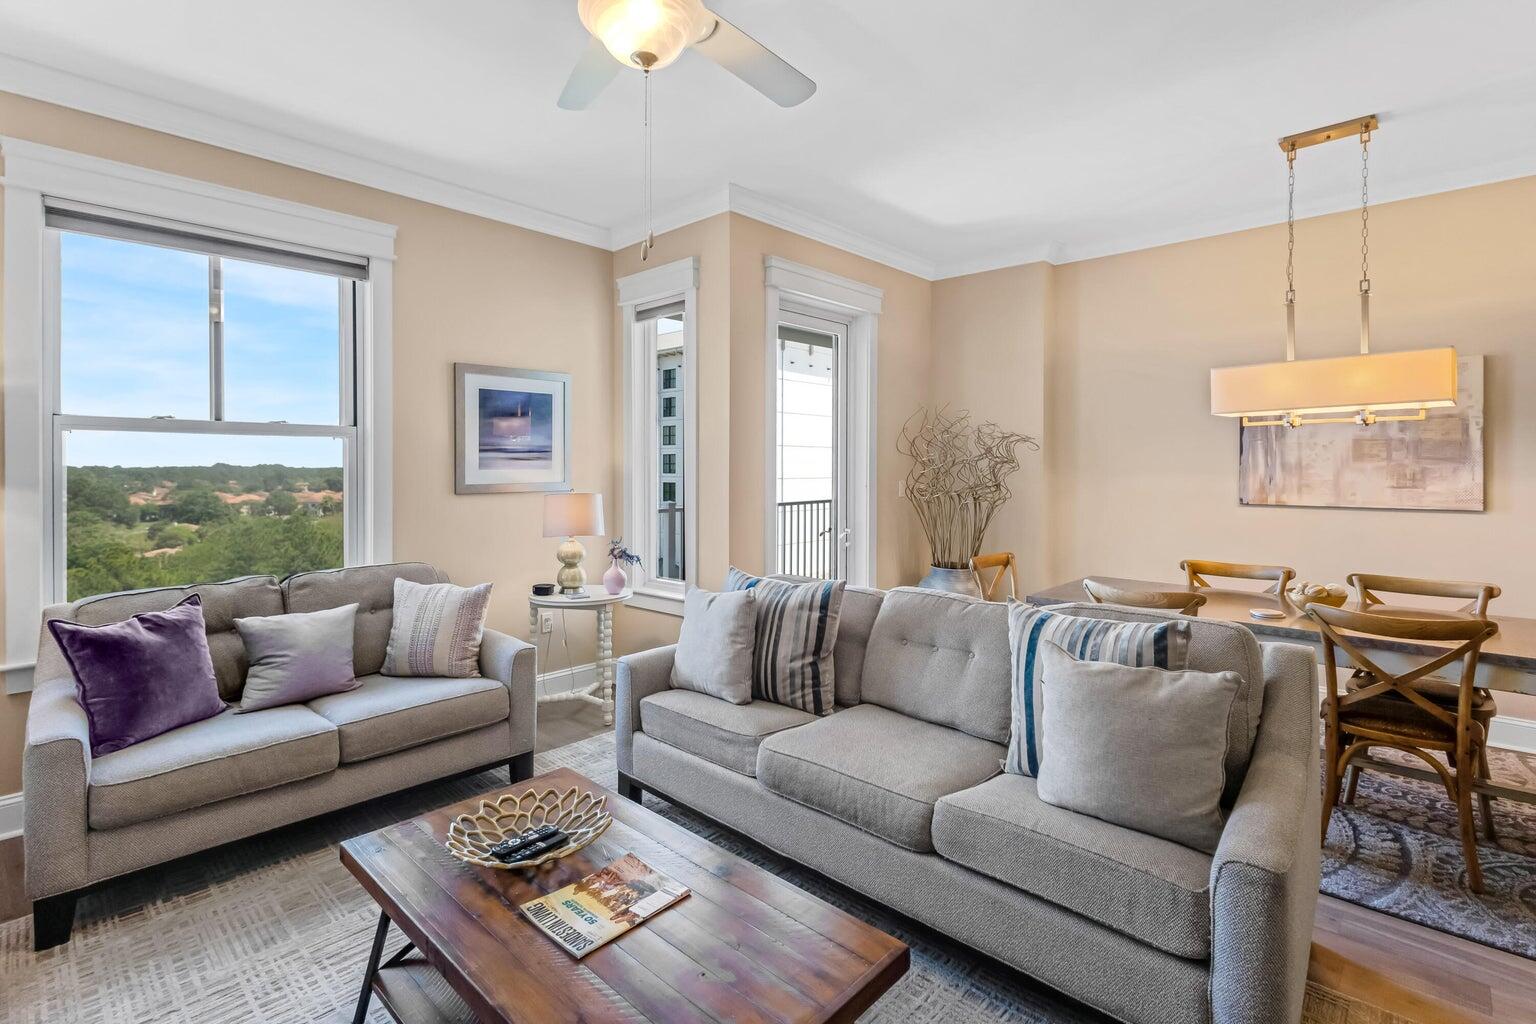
(794, 287)
(34, 424)
(669, 282)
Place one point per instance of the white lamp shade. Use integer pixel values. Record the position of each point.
(1383, 380)
(661, 29)
(573, 515)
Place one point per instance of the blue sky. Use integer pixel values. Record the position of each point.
(134, 339)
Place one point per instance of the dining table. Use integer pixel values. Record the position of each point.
(1507, 661)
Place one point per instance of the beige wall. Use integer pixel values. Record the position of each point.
(1144, 476)
(466, 289)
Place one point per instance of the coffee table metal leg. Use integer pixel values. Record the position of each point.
(373, 969)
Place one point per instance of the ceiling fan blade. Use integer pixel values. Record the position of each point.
(589, 77)
(755, 64)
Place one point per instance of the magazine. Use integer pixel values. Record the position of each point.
(603, 906)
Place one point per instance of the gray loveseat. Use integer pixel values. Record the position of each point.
(232, 776)
(899, 795)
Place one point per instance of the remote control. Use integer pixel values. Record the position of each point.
(543, 846)
(511, 849)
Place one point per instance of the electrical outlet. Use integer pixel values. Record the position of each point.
(546, 622)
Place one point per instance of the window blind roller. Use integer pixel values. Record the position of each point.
(66, 215)
(666, 309)
(815, 339)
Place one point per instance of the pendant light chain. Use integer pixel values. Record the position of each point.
(1365, 242)
(1290, 254)
(650, 235)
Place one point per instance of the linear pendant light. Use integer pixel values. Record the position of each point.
(1346, 389)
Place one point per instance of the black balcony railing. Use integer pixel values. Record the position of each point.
(807, 538)
(670, 551)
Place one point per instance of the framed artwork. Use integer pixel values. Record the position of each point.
(511, 430)
(1434, 463)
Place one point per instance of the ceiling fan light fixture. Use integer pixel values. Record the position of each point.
(646, 34)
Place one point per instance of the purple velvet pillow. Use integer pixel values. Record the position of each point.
(143, 676)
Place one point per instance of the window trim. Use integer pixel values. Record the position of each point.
(794, 287)
(674, 281)
(33, 507)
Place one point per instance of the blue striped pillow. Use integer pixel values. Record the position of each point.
(796, 631)
(1137, 644)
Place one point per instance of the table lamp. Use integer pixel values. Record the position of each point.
(571, 516)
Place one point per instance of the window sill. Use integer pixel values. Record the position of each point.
(654, 601)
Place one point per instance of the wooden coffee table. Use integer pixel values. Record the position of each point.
(746, 946)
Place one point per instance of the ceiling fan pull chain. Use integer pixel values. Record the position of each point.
(1365, 242)
(650, 235)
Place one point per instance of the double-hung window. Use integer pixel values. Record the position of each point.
(661, 443)
(205, 425)
(197, 385)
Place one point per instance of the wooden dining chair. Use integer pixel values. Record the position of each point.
(1181, 601)
(998, 564)
(1368, 588)
(1388, 711)
(1198, 569)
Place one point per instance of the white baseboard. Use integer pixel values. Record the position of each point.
(10, 815)
(1513, 734)
(562, 680)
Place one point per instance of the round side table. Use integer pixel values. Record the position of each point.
(600, 690)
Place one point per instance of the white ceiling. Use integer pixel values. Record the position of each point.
(944, 137)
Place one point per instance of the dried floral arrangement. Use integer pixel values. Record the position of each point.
(617, 552)
(959, 479)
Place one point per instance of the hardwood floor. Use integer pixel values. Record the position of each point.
(1395, 965)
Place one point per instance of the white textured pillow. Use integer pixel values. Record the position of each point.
(1144, 748)
(714, 649)
(436, 629)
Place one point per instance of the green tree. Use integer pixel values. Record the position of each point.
(281, 503)
(200, 505)
(89, 492)
(171, 535)
(332, 483)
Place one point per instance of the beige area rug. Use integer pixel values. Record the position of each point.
(274, 930)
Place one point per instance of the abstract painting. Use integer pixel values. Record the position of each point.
(511, 430)
(1434, 463)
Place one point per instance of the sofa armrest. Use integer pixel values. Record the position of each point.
(515, 664)
(1264, 876)
(639, 676)
(55, 776)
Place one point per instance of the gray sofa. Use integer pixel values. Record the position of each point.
(899, 795)
(231, 776)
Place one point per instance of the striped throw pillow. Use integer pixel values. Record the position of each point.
(1137, 644)
(796, 631)
(436, 630)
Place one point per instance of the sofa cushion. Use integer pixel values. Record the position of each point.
(1214, 646)
(225, 756)
(720, 732)
(1148, 888)
(715, 644)
(796, 635)
(860, 607)
(390, 713)
(942, 658)
(876, 769)
(222, 604)
(371, 588)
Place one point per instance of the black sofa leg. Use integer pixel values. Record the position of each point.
(521, 767)
(53, 918)
(629, 789)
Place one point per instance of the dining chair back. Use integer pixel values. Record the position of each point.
(997, 564)
(1369, 587)
(1198, 570)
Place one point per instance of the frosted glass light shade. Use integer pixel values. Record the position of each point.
(1423, 379)
(663, 29)
(573, 515)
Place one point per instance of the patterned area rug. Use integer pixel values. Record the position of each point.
(274, 930)
(1397, 849)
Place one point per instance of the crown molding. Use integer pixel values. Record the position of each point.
(51, 85)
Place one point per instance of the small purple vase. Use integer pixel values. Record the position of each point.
(615, 579)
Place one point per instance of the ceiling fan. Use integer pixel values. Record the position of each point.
(650, 34)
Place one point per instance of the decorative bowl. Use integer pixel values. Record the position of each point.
(1301, 593)
(580, 815)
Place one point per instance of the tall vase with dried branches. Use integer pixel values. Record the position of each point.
(958, 481)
